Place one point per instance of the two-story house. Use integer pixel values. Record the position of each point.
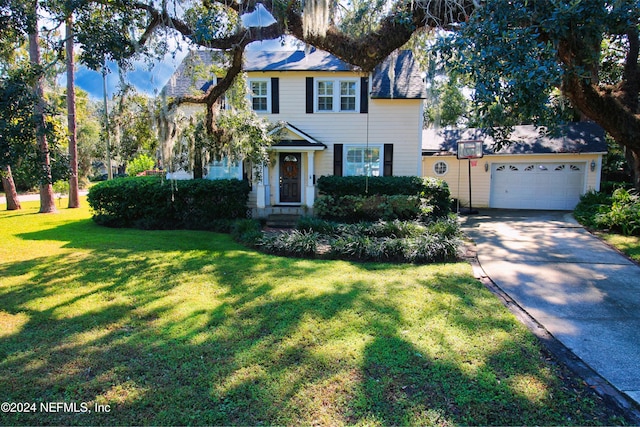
(337, 120)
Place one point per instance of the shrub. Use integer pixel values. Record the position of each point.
(619, 212)
(437, 195)
(140, 163)
(154, 203)
(446, 227)
(370, 208)
(590, 206)
(370, 186)
(623, 215)
(247, 231)
(402, 197)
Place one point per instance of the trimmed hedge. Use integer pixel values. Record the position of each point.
(388, 197)
(369, 208)
(374, 185)
(154, 203)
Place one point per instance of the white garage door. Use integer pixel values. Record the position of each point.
(552, 186)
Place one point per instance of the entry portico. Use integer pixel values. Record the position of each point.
(291, 179)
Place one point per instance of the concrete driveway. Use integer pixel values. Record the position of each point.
(577, 288)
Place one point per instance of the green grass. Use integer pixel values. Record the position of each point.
(188, 327)
(630, 245)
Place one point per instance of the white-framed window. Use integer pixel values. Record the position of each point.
(348, 96)
(325, 95)
(260, 95)
(440, 168)
(224, 169)
(337, 95)
(360, 160)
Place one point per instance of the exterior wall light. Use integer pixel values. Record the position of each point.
(593, 165)
(486, 167)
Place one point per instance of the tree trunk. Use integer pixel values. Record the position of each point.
(633, 160)
(47, 198)
(13, 203)
(197, 163)
(609, 112)
(74, 192)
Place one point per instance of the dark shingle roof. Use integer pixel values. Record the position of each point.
(190, 77)
(580, 137)
(294, 60)
(401, 72)
(193, 76)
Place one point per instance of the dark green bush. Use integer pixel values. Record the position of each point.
(154, 203)
(592, 204)
(370, 186)
(437, 195)
(247, 231)
(619, 212)
(624, 214)
(370, 208)
(357, 198)
(608, 187)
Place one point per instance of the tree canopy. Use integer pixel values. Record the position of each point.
(516, 52)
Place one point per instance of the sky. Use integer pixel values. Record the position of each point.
(151, 79)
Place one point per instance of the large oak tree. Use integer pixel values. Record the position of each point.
(518, 50)
(521, 49)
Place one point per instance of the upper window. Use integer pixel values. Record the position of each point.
(362, 160)
(339, 95)
(347, 96)
(325, 96)
(259, 95)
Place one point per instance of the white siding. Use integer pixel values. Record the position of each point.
(395, 122)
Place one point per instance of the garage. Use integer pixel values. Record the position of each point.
(544, 185)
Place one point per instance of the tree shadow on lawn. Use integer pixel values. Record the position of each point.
(208, 332)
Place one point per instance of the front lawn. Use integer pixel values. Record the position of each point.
(189, 327)
(630, 245)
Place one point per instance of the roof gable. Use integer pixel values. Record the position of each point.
(579, 137)
(291, 136)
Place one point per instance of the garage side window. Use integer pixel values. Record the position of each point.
(440, 168)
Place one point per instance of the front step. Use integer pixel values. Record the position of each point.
(282, 220)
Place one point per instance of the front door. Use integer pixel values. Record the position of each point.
(290, 177)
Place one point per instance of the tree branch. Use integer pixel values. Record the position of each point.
(394, 31)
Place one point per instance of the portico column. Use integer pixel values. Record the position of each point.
(262, 192)
(310, 196)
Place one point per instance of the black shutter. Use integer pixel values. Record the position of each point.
(309, 94)
(364, 94)
(337, 159)
(388, 160)
(275, 95)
